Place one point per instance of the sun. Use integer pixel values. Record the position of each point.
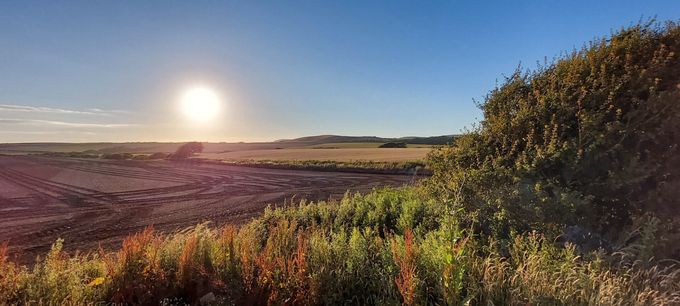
(200, 103)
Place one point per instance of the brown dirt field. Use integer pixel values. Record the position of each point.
(340, 154)
(92, 202)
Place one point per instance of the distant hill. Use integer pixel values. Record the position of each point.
(211, 147)
(321, 139)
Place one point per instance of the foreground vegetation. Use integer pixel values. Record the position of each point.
(564, 195)
(387, 247)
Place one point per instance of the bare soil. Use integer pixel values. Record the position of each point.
(97, 202)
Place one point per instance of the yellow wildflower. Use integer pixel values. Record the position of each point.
(96, 282)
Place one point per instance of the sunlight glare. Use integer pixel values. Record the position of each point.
(200, 104)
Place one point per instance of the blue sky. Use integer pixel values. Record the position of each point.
(115, 70)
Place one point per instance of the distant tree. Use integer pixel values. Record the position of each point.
(187, 150)
(393, 145)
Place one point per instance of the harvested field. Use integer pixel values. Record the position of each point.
(92, 202)
(355, 145)
(342, 154)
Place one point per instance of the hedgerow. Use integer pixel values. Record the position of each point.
(590, 140)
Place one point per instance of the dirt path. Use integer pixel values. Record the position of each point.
(92, 202)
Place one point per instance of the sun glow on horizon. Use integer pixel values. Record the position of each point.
(200, 104)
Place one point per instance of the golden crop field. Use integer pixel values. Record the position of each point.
(342, 154)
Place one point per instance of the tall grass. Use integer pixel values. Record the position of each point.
(361, 250)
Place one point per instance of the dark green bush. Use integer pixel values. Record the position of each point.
(393, 145)
(591, 139)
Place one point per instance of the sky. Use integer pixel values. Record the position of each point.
(114, 71)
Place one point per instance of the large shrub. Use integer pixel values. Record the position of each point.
(591, 140)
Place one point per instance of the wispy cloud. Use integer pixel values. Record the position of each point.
(64, 124)
(46, 132)
(42, 109)
(107, 111)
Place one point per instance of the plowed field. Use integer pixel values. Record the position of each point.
(92, 202)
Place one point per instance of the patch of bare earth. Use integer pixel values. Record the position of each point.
(92, 202)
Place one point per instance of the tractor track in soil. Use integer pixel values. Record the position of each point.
(96, 202)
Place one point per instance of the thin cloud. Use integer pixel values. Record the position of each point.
(107, 111)
(64, 124)
(42, 109)
(46, 132)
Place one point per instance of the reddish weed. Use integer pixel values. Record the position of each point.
(407, 278)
